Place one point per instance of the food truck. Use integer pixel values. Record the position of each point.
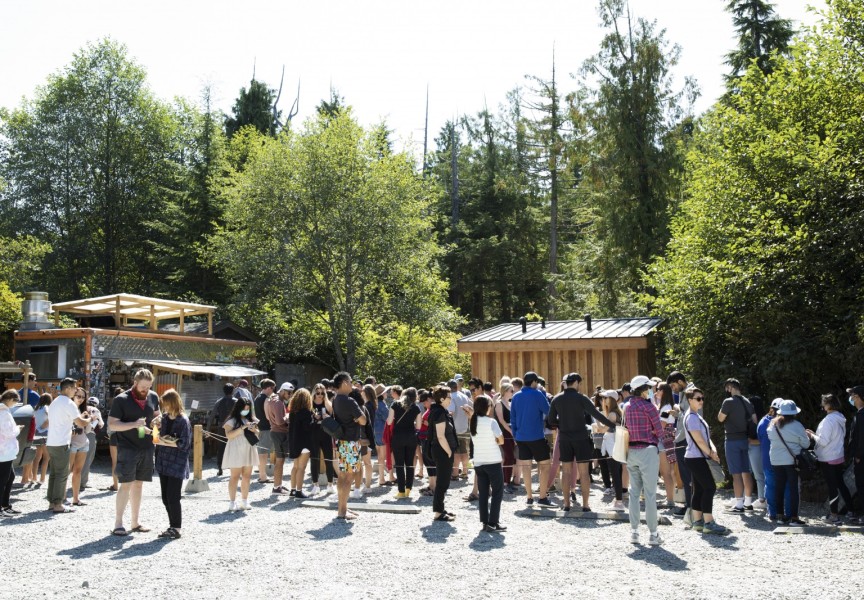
(116, 335)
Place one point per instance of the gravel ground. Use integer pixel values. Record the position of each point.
(280, 549)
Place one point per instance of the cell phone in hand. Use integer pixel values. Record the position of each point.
(664, 414)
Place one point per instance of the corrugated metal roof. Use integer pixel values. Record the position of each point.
(568, 330)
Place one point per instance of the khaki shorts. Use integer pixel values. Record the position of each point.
(463, 443)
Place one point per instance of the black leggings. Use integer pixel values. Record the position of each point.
(321, 442)
(490, 477)
(836, 486)
(604, 467)
(616, 468)
(703, 485)
(7, 478)
(444, 464)
(403, 457)
(171, 487)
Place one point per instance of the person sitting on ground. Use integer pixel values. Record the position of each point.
(788, 438)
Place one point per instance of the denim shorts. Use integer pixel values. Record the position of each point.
(83, 449)
(738, 456)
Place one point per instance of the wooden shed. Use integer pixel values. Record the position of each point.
(606, 352)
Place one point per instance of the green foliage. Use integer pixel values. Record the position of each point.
(326, 226)
(87, 165)
(254, 107)
(10, 308)
(764, 270)
(21, 260)
(629, 156)
(761, 34)
(411, 356)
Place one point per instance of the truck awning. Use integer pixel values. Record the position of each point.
(218, 370)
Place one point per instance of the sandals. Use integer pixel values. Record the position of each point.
(170, 533)
(79, 503)
(62, 512)
(110, 488)
(140, 529)
(120, 531)
(444, 517)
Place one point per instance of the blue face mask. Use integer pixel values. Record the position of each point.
(851, 402)
(244, 412)
(651, 394)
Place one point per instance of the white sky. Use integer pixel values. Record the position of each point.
(380, 55)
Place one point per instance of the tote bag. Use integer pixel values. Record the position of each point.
(622, 443)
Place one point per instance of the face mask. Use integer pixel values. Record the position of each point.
(244, 412)
(651, 394)
(851, 401)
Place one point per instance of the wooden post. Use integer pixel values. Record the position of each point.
(197, 483)
(209, 322)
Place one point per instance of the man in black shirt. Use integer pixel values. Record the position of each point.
(347, 412)
(132, 415)
(264, 446)
(856, 446)
(220, 413)
(568, 413)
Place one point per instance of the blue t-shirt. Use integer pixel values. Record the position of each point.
(32, 397)
(528, 410)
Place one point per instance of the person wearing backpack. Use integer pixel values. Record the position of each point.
(788, 438)
(739, 421)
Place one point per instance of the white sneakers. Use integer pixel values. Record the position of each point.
(654, 539)
(239, 505)
(355, 494)
(760, 505)
(315, 490)
(331, 489)
(634, 536)
(618, 506)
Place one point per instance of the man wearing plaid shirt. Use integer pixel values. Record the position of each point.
(643, 460)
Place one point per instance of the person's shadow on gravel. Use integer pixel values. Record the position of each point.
(224, 517)
(438, 532)
(659, 556)
(334, 530)
(726, 542)
(145, 549)
(485, 541)
(110, 543)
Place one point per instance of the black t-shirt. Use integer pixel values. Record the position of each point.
(403, 423)
(569, 411)
(345, 410)
(439, 414)
(263, 421)
(127, 410)
(299, 431)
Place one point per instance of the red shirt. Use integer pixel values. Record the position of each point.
(642, 421)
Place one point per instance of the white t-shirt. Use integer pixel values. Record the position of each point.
(61, 414)
(486, 449)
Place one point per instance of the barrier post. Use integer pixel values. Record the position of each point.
(197, 483)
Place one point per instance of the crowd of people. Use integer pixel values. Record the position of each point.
(648, 431)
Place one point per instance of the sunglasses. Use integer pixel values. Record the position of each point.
(319, 393)
(699, 398)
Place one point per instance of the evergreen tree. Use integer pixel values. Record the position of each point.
(254, 107)
(760, 33)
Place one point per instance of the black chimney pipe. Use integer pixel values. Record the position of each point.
(543, 323)
(524, 322)
(588, 322)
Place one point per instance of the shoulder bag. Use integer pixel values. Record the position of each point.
(806, 462)
(622, 442)
(332, 427)
(717, 471)
(748, 418)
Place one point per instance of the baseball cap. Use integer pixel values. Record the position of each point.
(858, 390)
(609, 394)
(775, 403)
(452, 384)
(530, 377)
(639, 381)
(572, 378)
(93, 401)
(458, 377)
(286, 387)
